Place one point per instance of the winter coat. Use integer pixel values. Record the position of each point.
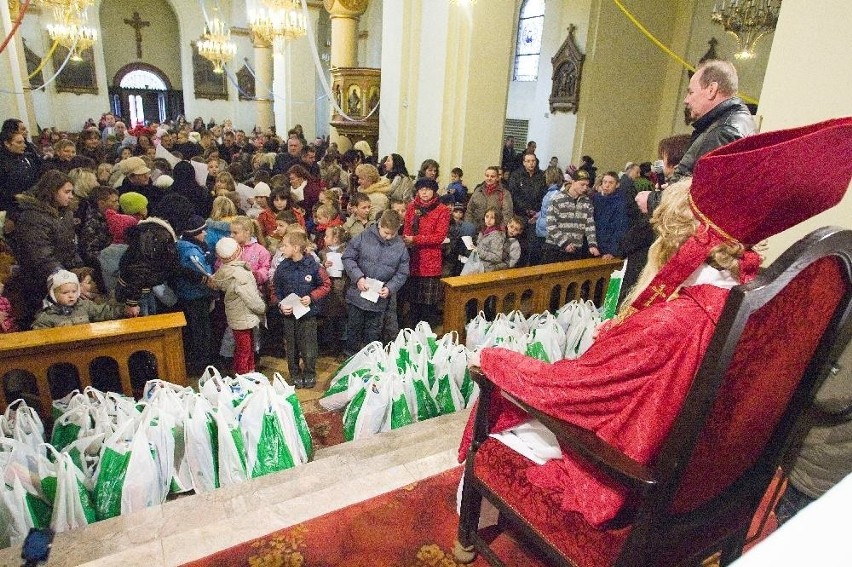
(511, 252)
(490, 249)
(480, 202)
(243, 304)
(258, 258)
(150, 192)
(151, 258)
(541, 221)
(195, 256)
(425, 252)
(44, 240)
(335, 302)
(369, 255)
(378, 194)
(93, 231)
(305, 277)
(216, 230)
(82, 312)
(401, 187)
(18, 172)
(527, 192)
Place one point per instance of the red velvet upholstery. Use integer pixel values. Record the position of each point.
(504, 471)
(777, 343)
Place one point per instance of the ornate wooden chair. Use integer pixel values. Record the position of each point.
(774, 344)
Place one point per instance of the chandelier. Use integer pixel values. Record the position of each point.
(216, 45)
(748, 21)
(271, 19)
(70, 29)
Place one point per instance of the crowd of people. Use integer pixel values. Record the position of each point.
(139, 213)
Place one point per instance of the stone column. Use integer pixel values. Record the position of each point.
(263, 83)
(14, 69)
(344, 44)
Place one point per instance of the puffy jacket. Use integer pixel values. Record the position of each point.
(82, 312)
(610, 220)
(44, 239)
(304, 277)
(480, 201)
(258, 258)
(527, 192)
(369, 255)
(151, 258)
(425, 252)
(193, 256)
(490, 248)
(18, 172)
(243, 304)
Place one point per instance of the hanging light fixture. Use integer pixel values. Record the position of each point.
(69, 28)
(747, 21)
(216, 45)
(271, 19)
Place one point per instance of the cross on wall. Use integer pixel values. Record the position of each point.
(137, 24)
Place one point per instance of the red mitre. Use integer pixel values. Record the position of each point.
(756, 187)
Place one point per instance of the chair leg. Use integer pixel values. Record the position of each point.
(471, 505)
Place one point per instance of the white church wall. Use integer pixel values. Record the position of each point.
(809, 79)
(295, 85)
(370, 35)
(32, 31)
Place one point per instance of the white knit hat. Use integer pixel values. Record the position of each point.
(261, 189)
(227, 248)
(60, 278)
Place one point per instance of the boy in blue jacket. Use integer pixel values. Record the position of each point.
(299, 273)
(194, 295)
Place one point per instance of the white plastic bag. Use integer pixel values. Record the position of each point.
(199, 434)
(473, 265)
(367, 411)
(352, 376)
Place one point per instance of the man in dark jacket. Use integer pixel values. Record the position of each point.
(284, 161)
(719, 117)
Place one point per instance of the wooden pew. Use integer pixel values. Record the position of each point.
(531, 290)
(36, 351)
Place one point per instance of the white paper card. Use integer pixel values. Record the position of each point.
(373, 289)
(336, 268)
(162, 152)
(468, 242)
(295, 302)
(201, 170)
(446, 240)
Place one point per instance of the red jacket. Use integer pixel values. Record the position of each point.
(425, 252)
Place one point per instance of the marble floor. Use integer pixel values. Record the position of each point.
(198, 525)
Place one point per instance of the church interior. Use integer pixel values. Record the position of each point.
(446, 80)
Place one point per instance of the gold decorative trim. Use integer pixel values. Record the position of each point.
(706, 220)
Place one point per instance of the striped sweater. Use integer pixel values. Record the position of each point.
(569, 219)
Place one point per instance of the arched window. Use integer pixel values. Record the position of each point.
(141, 79)
(528, 48)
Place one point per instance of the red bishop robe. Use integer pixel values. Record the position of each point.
(627, 388)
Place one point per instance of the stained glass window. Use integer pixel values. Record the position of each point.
(528, 48)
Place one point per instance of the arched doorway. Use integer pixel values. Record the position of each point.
(142, 93)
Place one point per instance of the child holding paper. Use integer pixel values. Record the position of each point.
(301, 283)
(334, 310)
(376, 254)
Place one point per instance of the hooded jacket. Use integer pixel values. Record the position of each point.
(369, 255)
(150, 259)
(243, 304)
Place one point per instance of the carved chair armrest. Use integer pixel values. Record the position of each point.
(578, 440)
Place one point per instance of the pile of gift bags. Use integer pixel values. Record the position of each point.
(416, 377)
(110, 455)
(545, 336)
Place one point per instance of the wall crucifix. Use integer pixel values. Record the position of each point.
(137, 24)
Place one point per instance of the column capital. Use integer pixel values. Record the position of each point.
(346, 8)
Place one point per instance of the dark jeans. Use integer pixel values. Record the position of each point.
(362, 327)
(300, 340)
(535, 245)
(552, 253)
(791, 502)
(198, 334)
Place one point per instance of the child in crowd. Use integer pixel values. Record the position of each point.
(399, 206)
(489, 242)
(219, 223)
(194, 296)
(459, 227)
(456, 191)
(331, 198)
(298, 273)
(259, 201)
(334, 309)
(378, 252)
(88, 286)
(325, 217)
(244, 230)
(359, 219)
(511, 247)
(7, 319)
(282, 220)
(64, 307)
(243, 304)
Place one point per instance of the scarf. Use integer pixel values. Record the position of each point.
(421, 209)
(489, 229)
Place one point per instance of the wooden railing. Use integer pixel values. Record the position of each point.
(530, 290)
(35, 352)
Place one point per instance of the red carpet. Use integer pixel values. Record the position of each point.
(414, 526)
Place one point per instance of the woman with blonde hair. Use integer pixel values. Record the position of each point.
(375, 187)
(219, 223)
